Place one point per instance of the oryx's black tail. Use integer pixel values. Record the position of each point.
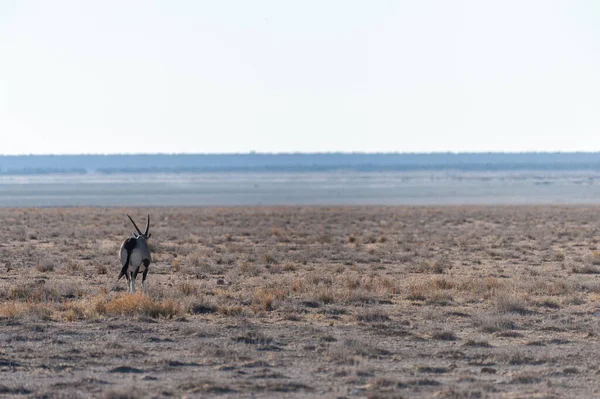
(129, 245)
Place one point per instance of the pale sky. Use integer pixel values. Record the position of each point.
(122, 76)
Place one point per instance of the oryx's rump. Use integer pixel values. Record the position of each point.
(133, 253)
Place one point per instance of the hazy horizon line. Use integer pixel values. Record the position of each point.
(303, 153)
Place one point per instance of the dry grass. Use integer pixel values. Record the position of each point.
(362, 301)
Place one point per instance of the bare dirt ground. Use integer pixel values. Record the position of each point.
(450, 302)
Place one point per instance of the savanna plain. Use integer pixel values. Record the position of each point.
(336, 302)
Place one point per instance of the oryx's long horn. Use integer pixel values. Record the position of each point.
(134, 225)
(147, 226)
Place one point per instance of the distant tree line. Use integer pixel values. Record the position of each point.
(321, 162)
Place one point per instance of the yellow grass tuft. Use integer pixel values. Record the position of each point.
(72, 312)
(141, 305)
(13, 309)
(263, 299)
(17, 309)
(234, 310)
(186, 288)
(435, 290)
(175, 266)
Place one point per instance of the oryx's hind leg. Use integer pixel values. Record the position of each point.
(133, 278)
(128, 281)
(146, 267)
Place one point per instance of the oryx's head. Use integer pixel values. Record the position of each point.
(146, 234)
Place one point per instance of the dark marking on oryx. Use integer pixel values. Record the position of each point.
(129, 245)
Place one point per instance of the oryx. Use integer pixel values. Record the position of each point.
(135, 257)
